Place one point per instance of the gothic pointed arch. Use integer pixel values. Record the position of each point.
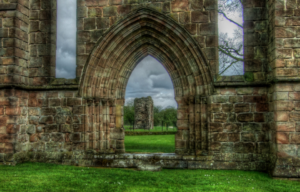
(145, 32)
(105, 75)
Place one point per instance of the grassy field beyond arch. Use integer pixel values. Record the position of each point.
(150, 143)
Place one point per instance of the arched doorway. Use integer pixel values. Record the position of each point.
(150, 110)
(104, 78)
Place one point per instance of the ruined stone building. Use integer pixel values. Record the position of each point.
(143, 113)
(247, 122)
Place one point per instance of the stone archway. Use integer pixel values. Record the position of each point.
(104, 78)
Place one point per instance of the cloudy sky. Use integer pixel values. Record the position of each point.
(149, 78)
(66, 39)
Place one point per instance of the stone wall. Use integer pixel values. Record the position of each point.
(143, 113)
(13, 116)
(198, 17)
(248, 122)
(14, 42)
(284, 91)
(239, 123)
(285, 128)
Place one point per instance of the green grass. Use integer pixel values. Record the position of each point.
(150, 143)
(155, 129)
(49, 177)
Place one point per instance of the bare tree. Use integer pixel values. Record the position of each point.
(231, 52)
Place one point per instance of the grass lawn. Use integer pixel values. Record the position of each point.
(150, 143)
(49, 177)
(155, 129)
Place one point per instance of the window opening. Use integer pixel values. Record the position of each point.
(150, 78)
(66, 39)
(231, 37)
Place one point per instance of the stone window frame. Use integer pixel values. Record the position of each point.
(255, 69)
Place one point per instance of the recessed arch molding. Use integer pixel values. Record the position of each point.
(141, 33)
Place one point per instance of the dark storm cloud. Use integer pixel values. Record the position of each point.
(161, 81)
(66, 39)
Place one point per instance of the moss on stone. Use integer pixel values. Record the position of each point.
(249, 77)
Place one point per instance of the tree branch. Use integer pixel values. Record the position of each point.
(229, 54)
(228, 67)
(221, 12)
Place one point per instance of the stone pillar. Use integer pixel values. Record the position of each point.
(182, 135)
(118, 131)
(42, 41)
(285, 91)
(143, 114)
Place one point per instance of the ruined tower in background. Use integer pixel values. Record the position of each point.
(143, 113)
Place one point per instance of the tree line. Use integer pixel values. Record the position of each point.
(162, 116)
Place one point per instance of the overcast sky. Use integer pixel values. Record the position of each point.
(149, 78)
(66, 39)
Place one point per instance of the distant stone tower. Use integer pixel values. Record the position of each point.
(143, 108)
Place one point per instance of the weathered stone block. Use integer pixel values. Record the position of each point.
(192, 28)
(245, 117)
(215, 107)
(220, 117)
(51, 128)
(179, 5)
(89, 24)
(94, 12)
(65, 128)
(110, 11)
(234, 137)
(285, 126)
(235, 99)
(244, 91)
(216, 127)
(286, 32)
(78, 110)
(59, 119)
(227, 107)
(57, 137)
(54, 102)
(243, 147)
(259, 117)
(286, 72)
(46, 120)
(282, 138)
(208, 29)
(238, 108)
(48, 111)
(200, 16)
(281, 116)
(294, 116)
(248, 137)
(295, 138)
(262, 107)
(294, 96)
(220, 137)
(251, 127)
(33, 138)
(232, 127)
(226, 147)
(30, 129)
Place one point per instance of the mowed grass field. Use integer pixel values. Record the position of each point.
(155, 129)
(150, 143)
(42, 177)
